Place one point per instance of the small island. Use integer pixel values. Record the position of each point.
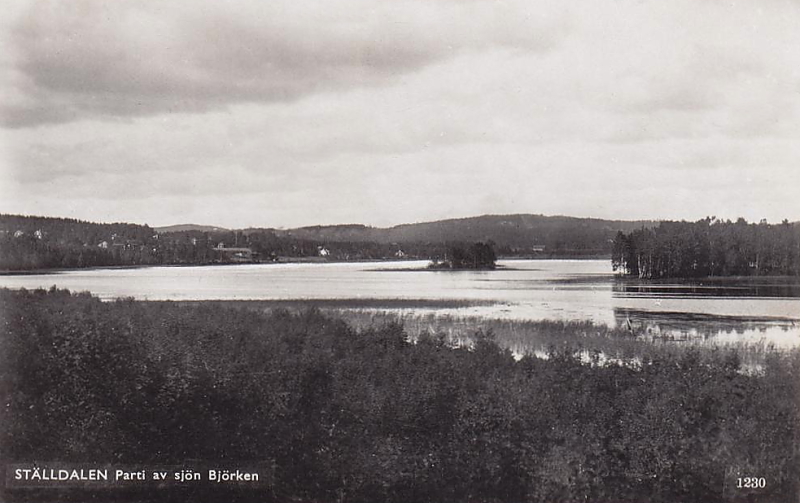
(478, 256)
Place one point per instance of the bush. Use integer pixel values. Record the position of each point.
(373, 416)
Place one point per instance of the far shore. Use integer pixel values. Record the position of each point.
(286, 260)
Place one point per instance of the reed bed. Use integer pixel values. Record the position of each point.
(593, 343)
(539, 338)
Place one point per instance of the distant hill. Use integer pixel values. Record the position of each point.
(31, 242)
(511, 233)
(188, 228)
(518, 234)
(70, 231)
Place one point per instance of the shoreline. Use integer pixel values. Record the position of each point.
(299, 260)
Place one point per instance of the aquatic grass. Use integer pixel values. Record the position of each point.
(543, 337)
(424, 317)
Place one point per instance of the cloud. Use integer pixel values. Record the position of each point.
(92, 58)
(294, 113)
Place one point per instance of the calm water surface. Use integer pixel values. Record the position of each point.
(756, 310)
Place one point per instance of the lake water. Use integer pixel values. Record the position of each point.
(754, 310)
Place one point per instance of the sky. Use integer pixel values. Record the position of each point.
(289, 113)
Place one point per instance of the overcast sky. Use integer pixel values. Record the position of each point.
(289, 113)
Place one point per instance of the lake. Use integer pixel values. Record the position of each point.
(750, 309)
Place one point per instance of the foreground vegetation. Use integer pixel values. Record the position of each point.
(368, 415)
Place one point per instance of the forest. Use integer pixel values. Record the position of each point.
(30, 243)
(708, 248)
(347, 415)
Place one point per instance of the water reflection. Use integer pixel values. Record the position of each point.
(693, 327)
(712, 287)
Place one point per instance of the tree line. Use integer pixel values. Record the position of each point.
(371, 415)
(709, 247)
(29, 243)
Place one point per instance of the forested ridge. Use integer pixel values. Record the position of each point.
(364, 416)
(707, 248)
(513, 235)
(39, 242)
(30, 243)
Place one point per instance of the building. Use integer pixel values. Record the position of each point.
(233, 254)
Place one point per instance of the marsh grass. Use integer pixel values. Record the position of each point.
(592, 343)
(544, 337)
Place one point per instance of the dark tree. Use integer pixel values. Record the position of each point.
(709, 247)
(479, 255)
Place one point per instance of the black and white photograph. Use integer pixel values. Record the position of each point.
(402, 251)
